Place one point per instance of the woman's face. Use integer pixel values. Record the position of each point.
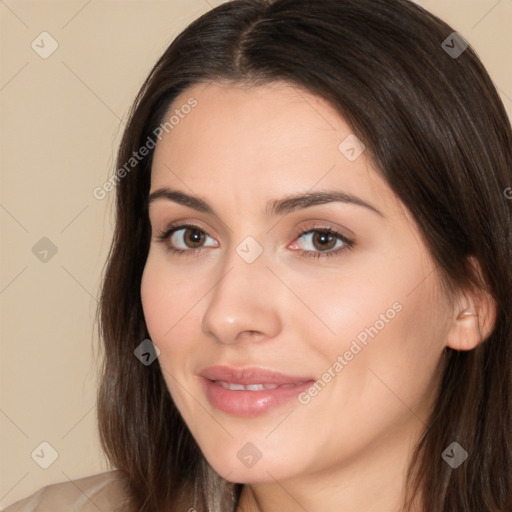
(353, 322)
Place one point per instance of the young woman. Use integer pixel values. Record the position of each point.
(307, 303)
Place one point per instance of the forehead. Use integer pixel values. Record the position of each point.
(276, 136)
(260, 113)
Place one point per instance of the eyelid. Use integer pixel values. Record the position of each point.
(324, 226)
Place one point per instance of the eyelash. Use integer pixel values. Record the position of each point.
(163, 236)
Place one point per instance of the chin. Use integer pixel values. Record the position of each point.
(237, 467)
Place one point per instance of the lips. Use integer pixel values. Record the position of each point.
(253, 387)
(251, 376)
(250, 391)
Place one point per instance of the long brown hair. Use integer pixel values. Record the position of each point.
(435, 127)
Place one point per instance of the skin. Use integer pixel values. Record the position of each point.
(349, 447)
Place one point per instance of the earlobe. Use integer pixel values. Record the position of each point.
(474, 318)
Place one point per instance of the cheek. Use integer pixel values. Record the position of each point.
(171, 302)
(156, 298)
(391, 314)
(351, 306)
(167, 299)
(167, 303)
(389, 341)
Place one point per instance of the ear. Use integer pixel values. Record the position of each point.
(474, 315)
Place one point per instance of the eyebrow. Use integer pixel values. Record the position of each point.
(275, 207)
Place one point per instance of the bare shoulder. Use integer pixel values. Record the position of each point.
(103, 491)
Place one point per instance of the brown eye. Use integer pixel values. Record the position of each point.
(193, 237)
(323, 242)
(186, 239)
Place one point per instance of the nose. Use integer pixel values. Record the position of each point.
(243, 303)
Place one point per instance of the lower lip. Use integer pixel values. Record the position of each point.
(250, 403)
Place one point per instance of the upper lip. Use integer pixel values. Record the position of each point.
(247, 376)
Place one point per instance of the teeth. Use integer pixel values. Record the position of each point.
(253, 387)
(235, 387)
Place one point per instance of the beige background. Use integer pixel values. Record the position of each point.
(61, 122)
